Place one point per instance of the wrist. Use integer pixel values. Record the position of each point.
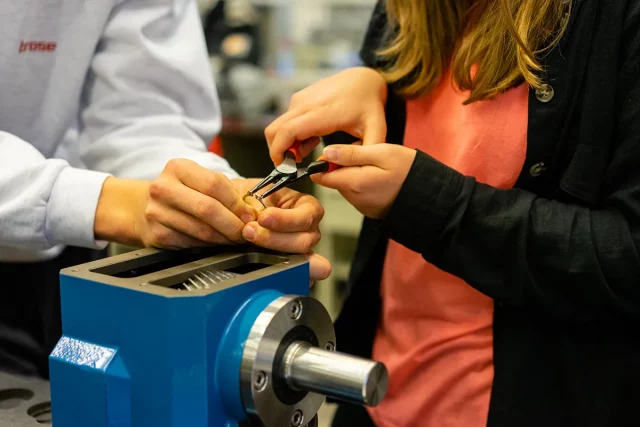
(422, 209)
(120, 207)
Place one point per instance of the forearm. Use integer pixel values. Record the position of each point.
(517, 248)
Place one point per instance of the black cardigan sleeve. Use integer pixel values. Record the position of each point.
(528, 251)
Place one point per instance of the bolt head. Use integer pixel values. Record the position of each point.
(297, 418)
(296, 310)
(260, 381)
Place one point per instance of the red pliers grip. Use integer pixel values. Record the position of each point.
(295, 151)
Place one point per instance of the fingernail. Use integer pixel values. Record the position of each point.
(331, 154)
(247, 218)
(268, 222)
(249, 233)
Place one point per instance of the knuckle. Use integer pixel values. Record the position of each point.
(352, 157)
(204, 208)
(308, 223)
(171, 165)
(174, 164)
(162, 236)
(296, 99)
(308, 242)
(355, 187)
(151, 213)
(235, 205)
(157, 189)
(270, 133)
(214, 183)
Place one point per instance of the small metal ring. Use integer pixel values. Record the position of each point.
(255, 197)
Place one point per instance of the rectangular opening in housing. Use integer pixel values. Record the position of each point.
(210, 275)
(140, 266)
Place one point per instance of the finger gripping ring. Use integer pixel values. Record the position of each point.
(255, 197)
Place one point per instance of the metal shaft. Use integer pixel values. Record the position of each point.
(335, 375)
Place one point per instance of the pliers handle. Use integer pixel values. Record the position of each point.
(287, 172)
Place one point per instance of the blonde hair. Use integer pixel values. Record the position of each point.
(502, 38)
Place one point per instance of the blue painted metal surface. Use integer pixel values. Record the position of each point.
(130, 358)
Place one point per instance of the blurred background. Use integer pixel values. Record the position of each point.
(262, 51)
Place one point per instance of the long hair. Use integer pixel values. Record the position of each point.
(489, 45)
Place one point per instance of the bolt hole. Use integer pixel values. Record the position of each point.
(296, 310)
(260, 382)
(13, 397)
(297, 418)
(330, 346)
(41, 412)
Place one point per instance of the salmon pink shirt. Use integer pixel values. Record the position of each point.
(436, 335)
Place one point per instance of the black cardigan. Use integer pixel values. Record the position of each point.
(558, 253)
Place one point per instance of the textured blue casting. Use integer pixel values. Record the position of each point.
(129, 358)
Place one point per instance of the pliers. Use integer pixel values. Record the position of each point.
(288, 172)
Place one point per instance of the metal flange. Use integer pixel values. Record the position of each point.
(267, 398)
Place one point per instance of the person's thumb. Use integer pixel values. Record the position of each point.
(375, 130)
(353, 155)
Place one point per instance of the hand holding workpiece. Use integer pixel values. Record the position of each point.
(186, 206)
(351, 101)
(370, 177)
(289, 223)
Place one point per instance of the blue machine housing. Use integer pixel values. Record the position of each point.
(136, 352)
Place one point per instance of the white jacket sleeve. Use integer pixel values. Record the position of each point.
(44, 204)
(150, 94)
(149, 97)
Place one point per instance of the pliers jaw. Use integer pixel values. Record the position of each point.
(284, 170)
(285, 181)
(313, 168)
(288, 172)
(273, 177)
(282, 175)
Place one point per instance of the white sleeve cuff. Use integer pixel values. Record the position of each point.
(71, 209)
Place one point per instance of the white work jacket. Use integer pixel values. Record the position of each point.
(88, 89)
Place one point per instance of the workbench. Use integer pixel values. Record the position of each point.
(24, 402)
